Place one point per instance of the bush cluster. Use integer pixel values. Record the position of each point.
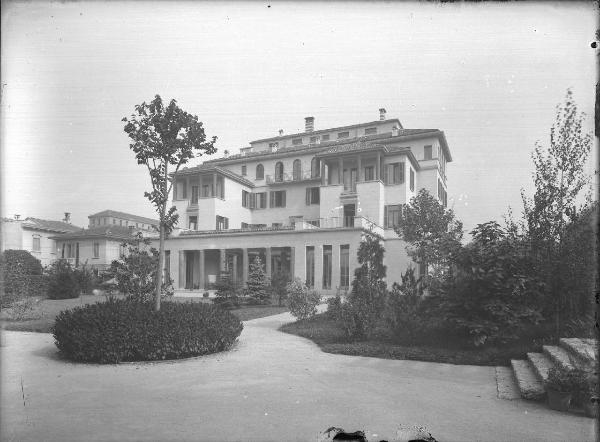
(302, 301)
(21, 277)
(63, 281)
(120, 330)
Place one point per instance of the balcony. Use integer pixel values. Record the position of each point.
(291, 177)
(340, 223)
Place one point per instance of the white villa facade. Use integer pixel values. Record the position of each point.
(302, 203)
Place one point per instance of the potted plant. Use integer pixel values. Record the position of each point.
(559, 388)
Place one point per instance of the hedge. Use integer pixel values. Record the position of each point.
(21, 277)
(120, 330)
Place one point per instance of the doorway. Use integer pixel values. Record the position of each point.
(349, 214)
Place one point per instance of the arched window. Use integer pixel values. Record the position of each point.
(279, 171)
(315, 171)
(297, 170)
(260, 172)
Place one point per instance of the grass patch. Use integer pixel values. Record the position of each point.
(331, 339)
(41, 318)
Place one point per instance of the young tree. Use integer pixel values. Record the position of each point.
(559, 179)
(431, 230)
(164, 136)
(258, 283)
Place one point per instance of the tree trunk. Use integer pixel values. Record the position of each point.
(161, 261)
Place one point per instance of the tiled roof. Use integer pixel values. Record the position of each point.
(111, 232)
(323, 145)
(129, 216)
(48, 225)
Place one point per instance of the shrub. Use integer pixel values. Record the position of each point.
(301, 301)
(334, 307)
(21, 276)
(361, 314)
(23, 309)
(279, 281)
(403, 307)
(258, 283)
(62, 281)
(86, 279)
(121, 330)
(227, 295)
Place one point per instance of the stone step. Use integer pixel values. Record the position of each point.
(559, 356)
(583, 349)
(529, 384)
(541, 365)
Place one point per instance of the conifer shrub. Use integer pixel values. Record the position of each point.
(258, 284)
(62, 281)
(121, 330)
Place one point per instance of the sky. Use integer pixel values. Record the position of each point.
(488, 74)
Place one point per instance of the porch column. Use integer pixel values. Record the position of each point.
(378, 167)
(292, 262)
(201, 280)
(323, 182)
(214, 192)
(181, 269)
(358, 178)
(244, 266)
(340, 170)
(268, 261)
(318, 267)
(222, 258)
(234, 269)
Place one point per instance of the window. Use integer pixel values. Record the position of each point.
(369, 173)
(296, 141)
(222, 223)
(261, 200)
(279, 171)
(343, 135)
(114, 221)
(310, 266)
(326, 267)
(194, 194)
(180, 190)
(412, 180)
(344, 266)
(276, 225)
(442, 194)
(245, 199)
(62, 255)
(274, 145)
(395, 173)
(260, 172)
(36, 246)
(297, 170)
(370, 131)
(244, 170)
(70, 253)
(392, 215)
(220, 188)
(244, 225)
(314, 139)
(167, 265)
(427, 153)
(278, 198)
(120, 222)
(105, 219)
(315, 170)
(312, 196)
(193, 223)
(206, 192)
(325, 137)
(96, 250)
(122, 250)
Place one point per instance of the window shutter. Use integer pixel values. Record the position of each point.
(385, 216)
(272, 198)
(401, 173)
(307, 196)
(283, 199)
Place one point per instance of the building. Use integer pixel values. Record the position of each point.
(301, 202)
(115, 218)
(103, 241)
(35, 235)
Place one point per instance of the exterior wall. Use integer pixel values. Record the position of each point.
(12, 236)
(371, 196)
(98, 221)
(109, 251)
(330, 201)
(295, 205)
(428, 179)
(47, 253)
(396, 259)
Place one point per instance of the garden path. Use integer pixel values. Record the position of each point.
(270, 386)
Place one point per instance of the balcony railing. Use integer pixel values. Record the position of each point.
(291, 177)
(338, 223)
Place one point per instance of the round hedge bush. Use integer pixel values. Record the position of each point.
(121, 330)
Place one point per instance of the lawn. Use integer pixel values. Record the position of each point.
(41, 319)
(330, 338)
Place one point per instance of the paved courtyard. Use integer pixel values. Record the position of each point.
(271, 387)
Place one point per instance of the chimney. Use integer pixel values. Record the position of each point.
(225, 153)
(67, 217)
(382, 114)
(395, 131)
(309, 124)
(280, 132)
(17, 216)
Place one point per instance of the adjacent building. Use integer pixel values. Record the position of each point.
(35, 235)
(302, 202)
(122, 219)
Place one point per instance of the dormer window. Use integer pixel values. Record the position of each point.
(343, 135)
(296, 141)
